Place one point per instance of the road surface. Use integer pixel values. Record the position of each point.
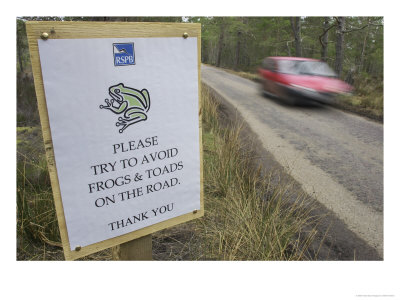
(336, 157)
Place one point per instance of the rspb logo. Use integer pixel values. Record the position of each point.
(124, 54)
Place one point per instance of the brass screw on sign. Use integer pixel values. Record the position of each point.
(44, 35)
(77, 248)
(185, 35)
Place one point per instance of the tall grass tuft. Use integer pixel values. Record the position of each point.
(248, 216)
(37, 226)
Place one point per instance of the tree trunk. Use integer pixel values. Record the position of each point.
(360, 68)
(20, 32)
(19, 54)
(295, 22)
(238, 49)
(339, 45)
(288, 48)
(324, 50)
(220, 44)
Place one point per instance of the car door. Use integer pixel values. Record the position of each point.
(269, 74)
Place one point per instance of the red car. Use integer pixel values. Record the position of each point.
(298, 80)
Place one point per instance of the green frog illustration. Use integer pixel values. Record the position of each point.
(134, 105)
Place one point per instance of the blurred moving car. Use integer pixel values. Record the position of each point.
(299, 80)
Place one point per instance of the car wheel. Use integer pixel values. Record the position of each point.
(291, 101)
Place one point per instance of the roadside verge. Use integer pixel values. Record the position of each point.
(338, 241)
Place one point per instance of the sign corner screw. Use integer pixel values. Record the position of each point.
(195, 211)
(44, 35)
(77, 248)
(185, 35)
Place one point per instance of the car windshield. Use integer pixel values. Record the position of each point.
(302, 67)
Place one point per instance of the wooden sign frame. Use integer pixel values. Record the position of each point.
(92, 30)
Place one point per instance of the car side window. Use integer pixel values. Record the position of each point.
(264, 64)
(269, 64)
(288, 67)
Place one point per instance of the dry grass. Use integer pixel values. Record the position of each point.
(247, 217)
(37, 229)
(367, 99)
(251, 76)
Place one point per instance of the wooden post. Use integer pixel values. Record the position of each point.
(138, 249)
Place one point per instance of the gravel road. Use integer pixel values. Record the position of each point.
(336, 157)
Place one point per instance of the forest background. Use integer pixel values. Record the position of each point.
(352, 46)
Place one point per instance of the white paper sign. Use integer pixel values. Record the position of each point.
(125, 128)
